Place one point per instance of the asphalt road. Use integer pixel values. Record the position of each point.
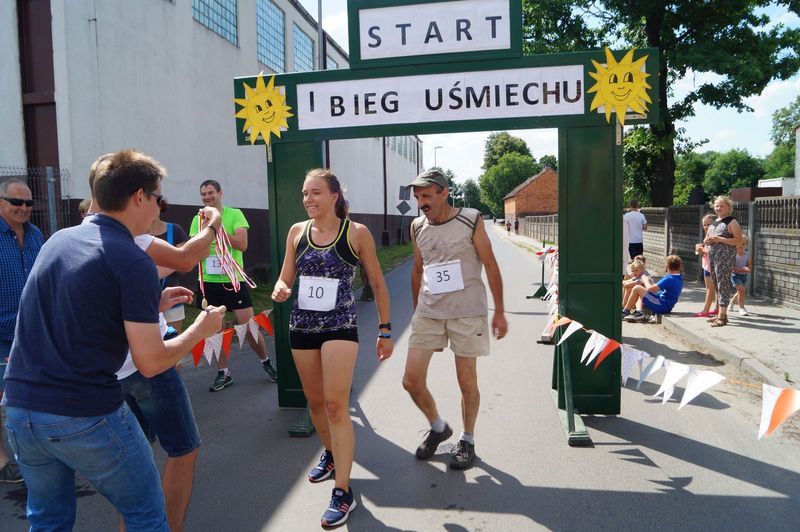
(652, 468)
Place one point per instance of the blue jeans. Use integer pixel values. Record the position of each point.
(162, 406)
(109, 451)
(5, 349)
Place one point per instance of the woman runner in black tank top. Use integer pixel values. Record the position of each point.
(323, 253)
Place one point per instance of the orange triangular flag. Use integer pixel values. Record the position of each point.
(197, 351)
(610, 347)
(787, 404)
(561, 321)
(227, 339)
(264, 322)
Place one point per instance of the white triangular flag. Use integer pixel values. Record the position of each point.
(253, 326)
(600, 343)
(699, 381)
(675, 372)
(208, 351)
(241, 331)
(630, 356)
(587, 348)
(769, 396)
(216, 344)
(651, 368)
(573, 326)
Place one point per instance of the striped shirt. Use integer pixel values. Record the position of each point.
(16, 265)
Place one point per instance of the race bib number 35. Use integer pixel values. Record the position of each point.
(317, 293)
(444, 277)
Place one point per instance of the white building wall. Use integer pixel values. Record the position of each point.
(146, 75)
(359, 166)
(12, 131)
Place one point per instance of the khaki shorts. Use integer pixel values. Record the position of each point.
(469, 337)
(176, 313)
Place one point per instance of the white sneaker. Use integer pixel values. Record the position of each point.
(742, 312)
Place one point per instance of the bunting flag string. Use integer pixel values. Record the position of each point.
(778, 403)
(220, 343)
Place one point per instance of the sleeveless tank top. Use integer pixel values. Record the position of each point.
(449, 241)
(741, 261)
(334, 261)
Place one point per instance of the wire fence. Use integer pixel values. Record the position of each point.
(50, 189)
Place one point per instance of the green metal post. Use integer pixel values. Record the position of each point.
(287, 164)
(589, 266)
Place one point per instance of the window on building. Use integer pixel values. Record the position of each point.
(217, 15)
(332, 65)
(270, 47)
(303, 51)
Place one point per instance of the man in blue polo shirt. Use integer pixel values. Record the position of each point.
(92, 294)
(20, 242)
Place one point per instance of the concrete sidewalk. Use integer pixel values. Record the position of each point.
(766, 343)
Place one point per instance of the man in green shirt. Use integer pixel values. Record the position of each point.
(214, 279)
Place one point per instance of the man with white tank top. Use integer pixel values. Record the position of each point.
(451, 248)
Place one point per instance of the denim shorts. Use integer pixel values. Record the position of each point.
(655, 305)
(162, 406)
(109, 451)
(739, 279)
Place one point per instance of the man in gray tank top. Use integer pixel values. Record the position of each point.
(451, 248)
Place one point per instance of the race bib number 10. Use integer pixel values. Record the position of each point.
(444, 277)
(317, 293)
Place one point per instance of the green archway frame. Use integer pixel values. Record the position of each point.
(590, 209)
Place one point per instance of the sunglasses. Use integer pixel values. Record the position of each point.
(17, 202)
(159, 198)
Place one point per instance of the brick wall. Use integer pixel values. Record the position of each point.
(538, 197)
(776, 265)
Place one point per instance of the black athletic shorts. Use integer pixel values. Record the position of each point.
(222, 294)
(314, 340)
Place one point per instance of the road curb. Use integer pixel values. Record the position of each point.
(726, 353)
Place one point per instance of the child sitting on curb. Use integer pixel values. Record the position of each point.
(636, 278)
(659, 298)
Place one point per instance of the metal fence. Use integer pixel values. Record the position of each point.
(49, 186)
(543, 228)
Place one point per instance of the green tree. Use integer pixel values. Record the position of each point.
(511, 170)
(784, 122)
(500, 143)
(780, 163)
(732, 169)
(472, 196)
(690, 171)
(733, 40)
(549, 161)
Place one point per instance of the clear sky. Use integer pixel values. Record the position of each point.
(725, 129)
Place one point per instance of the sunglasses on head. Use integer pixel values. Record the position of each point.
(17, 202)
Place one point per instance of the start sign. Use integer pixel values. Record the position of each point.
(403, 31)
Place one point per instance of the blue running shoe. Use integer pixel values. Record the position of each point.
(339, 509)
(324, 469)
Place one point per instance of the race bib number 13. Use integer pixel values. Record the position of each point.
(317, 293)
(444, 277)
(213, 265)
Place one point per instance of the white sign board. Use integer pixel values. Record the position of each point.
(437, 28)
(513, 93)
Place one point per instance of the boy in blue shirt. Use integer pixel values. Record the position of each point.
(659, 298)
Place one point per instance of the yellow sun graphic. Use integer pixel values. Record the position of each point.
(620, 86)
(264, 110)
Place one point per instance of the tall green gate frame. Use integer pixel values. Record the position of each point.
(459, 91)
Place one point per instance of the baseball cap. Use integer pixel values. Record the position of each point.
(428, 178)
